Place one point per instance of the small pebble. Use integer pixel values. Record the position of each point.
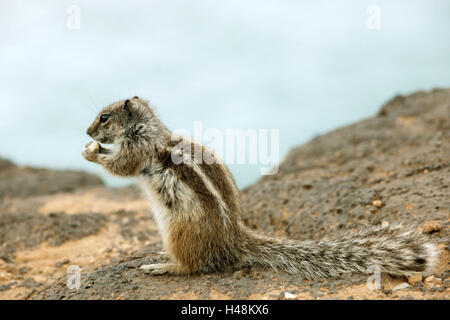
(431, 226)
(432, 282)
(385, 224)
(61, 263)
(289, 295)
(447, 283)
(377, 203)
(23, 270)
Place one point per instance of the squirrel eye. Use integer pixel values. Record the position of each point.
(104, 117)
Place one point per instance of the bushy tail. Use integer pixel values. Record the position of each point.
(393, 250)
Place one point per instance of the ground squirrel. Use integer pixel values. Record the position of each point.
(196, 206)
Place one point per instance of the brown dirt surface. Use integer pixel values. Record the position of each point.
(393, 167)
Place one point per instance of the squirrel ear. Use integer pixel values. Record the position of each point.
(135, 97)
(127, 104)
(127, 107)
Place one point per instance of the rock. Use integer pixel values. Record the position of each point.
(433, 283)
(401, 286)
(416, 278)
(29, 283)
(374, 143)
(447, 283)
(5, 276)
(23, 270)
(431, 226)
(4, 163)
(25, 181)
(7, 286)
(24, 230)
(59, 264)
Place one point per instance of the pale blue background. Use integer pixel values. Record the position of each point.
(304, 67)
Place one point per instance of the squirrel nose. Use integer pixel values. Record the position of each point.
(89, 131)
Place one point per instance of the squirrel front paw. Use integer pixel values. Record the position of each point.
(91, 150)
(162, 268)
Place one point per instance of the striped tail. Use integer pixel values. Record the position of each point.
(394, 250)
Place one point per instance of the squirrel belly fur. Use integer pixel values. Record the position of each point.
(196, 206)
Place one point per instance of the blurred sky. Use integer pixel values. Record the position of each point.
(304, 67)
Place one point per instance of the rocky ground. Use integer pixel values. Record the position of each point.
(393, 167)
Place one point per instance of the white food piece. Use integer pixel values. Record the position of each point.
(93, 146)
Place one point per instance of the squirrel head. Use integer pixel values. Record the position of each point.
(130, 118)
